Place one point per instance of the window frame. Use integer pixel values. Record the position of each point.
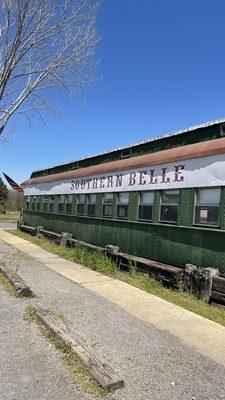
(169, 204)
(107, 203)
(34, 203)
(46, 197)
(69, 203)
(122, 204)
(59, 203)
(52, 202)
(38, 206)
(27, 202)
(206, 205)
(90, 214)
(80, 204)
(126, 153)
(145, 204)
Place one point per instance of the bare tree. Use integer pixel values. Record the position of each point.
(44, 44)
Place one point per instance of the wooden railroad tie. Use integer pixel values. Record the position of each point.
(16, 281)
(101, 371)
(218, 290)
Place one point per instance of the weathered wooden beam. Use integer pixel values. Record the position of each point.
(167, 274)
(199, 281)
(16, 281)
(67, 239)
(50, 234)
(219, 284)
(101, 371)
(218, 297)
(27, 228)
(89, 246)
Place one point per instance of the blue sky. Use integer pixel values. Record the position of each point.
(163, 69)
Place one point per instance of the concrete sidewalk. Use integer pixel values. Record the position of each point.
(198, 333)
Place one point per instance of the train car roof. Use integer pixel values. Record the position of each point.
(149, 140)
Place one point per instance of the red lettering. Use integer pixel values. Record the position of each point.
(110, 181)
(142, 181)
(177, 172)
(119, 180)
(95, 183)
(164, 179)
(82, 184)
(132, 179)
(153, 180)
(101, 185)
(88, 181)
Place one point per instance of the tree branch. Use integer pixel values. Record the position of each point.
(44, 45)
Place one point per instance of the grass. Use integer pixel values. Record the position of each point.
(59, 315)
(104, 265)
(9, 217)
(77, 370)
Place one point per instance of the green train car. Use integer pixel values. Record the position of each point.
(162, 199)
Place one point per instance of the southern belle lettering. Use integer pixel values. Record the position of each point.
(199, 172)
(134, 179)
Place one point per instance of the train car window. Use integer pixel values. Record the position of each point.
(146, 200)
(69, 203)
(52, 203)
(27, 202)
(46, 203)
(169, 206)
(126, 153)
(38, 203)
(122, 205)
(61, 203)
(34, 202)
(91, 204)
(207, 207)
(107, 205)
(80, 203)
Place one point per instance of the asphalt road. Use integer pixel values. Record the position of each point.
(154, 364)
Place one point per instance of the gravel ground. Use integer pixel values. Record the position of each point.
(29, 367)
(154, 364)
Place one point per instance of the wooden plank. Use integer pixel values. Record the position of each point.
(199, 281)
(219, 284)
(167, 274)
(218, 297)
(20, 286)
(53, 235)
(27, 228)
(151, 263)
(101, 371)
(89, 246)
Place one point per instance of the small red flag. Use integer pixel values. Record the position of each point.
(12, 183)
